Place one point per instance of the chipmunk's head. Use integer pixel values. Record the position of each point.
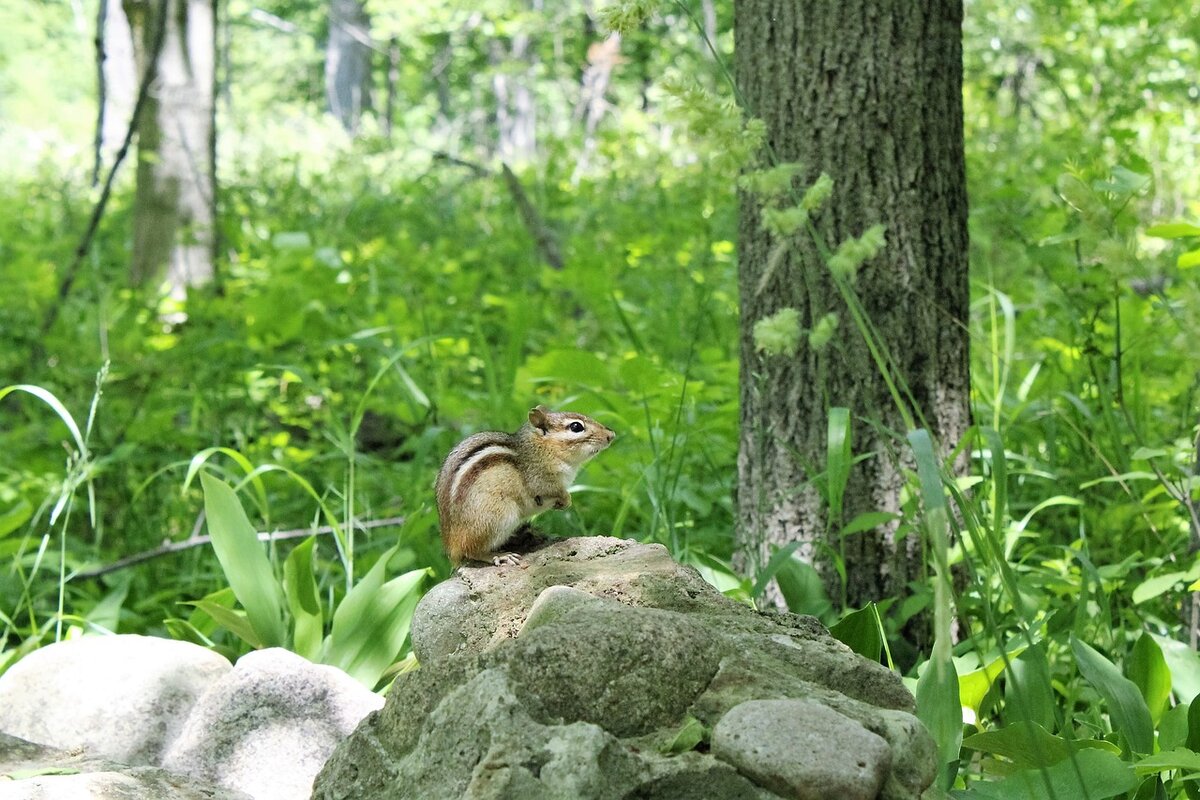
(574, 436)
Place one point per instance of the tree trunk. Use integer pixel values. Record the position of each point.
(870, 92)
(516, 109)
(117, 81)
(175, 204)
(348, 62)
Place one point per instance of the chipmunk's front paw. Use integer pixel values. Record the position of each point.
(506, 560)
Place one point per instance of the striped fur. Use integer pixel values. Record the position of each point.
(491, 482)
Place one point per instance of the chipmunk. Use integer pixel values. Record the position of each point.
(492, 482)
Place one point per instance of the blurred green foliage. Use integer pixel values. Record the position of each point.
(378, 302)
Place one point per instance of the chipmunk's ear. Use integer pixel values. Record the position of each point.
(539, 417)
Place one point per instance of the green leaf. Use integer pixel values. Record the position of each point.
(372, 622)
(691, 734)
(802, 588)
(301, 590)
(1030, 746)
(974, 685)
(1128, 712)
(1028, 692)
(15, 517)
(1173, 230)
(1188, 260)
(1091, 774)
(233, 621)
(1185, 670)
(1144, 453)
(838, 459)
(244, 563)
(1153, 587)
(868, 520)
(938, 707)
(1179, 758)
(1193, 743)
(861, 631)
(1148, 670)
(776, 563)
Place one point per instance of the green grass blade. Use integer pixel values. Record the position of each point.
(243, 561)
(838, 460)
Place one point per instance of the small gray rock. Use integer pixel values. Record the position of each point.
(121, 697)
(31, 771)
(802, 749)
(268, 726)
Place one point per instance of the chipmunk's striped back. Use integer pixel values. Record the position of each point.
(492, 481)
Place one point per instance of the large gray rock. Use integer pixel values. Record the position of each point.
(119, 697)
(603, 669)
(266, 727)
(31, 771)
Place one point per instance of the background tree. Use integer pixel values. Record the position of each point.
(348, 62)
(870, 93)
(175, 206)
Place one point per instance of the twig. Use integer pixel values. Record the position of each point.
(196, 540)
(68, 280)
(543, 237)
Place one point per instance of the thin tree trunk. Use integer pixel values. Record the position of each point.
(116, 81)
(175, 206)
(348, 62)
(516, 109)
(871, 93)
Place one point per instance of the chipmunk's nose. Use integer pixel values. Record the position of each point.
(610, 435)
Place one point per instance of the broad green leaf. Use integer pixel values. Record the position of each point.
(244, 563)
(1030, 746)
(802, 588)
(1028, 692)
(1144, 453)
(973, 686)
(372, 622)
(1128, 712)
(300, 588)
(1148, 670)
(1173, 230)
(1188, 260)
(233, 621)
(690, 734)
(1179, 758)
(861, 631)
(1153, 587)
(938, 707)
(1185, 670)
(1087, 775)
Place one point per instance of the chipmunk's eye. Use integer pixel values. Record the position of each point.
(575, 427)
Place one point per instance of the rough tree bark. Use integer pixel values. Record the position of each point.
(175, 204)
(348, 62)
(869, 91)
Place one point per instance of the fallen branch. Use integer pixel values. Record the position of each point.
(543, 236)
(196, 540)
